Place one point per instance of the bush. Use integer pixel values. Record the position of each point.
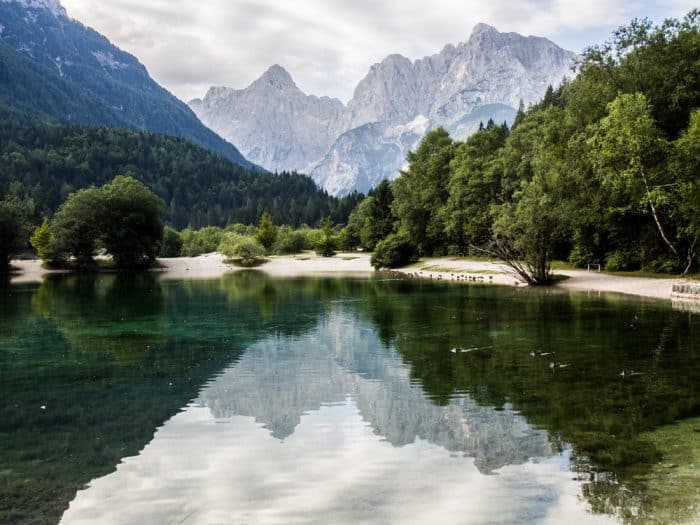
(347, 240)
(393, 252)
(663, 264)
(581, 256)
(172, 243)
(313, 237)
(43, 242)
(243, 250)
(327, 243)
(267, 232)
(621, 261)
(241, 229)
(228, 241)
(289, 241)
(197, 242)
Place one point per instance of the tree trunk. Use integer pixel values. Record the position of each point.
(656, 215)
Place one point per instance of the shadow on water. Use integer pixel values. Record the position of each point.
(92, 367)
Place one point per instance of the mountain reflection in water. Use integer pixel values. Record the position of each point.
(328, 427)
(279, 380)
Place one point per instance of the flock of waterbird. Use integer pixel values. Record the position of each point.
(459, 277)
(538, 353)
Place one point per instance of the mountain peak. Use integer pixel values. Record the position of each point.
(483, 28)
(277, 77)
(53, 6)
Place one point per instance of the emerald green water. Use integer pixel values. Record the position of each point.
(124, 399)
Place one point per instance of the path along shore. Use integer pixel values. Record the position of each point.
(213, 265)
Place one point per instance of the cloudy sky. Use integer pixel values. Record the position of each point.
(328, 45)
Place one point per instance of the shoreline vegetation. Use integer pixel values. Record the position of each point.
(450, 269)
(601, 173)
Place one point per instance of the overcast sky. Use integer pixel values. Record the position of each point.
(329, 45)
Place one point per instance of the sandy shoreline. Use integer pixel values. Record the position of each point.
(212, 266)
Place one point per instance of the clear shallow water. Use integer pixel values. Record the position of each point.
(253, 400)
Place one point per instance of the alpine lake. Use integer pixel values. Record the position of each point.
(126, 399)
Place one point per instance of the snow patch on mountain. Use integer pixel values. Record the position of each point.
(107, 60)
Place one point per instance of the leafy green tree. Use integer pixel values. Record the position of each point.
(474, 187)
(172, 243)
(526, 232)
(198, 242)
(289, 241)
(14, 230)
(267, 232)
(243, 250)
(627, 147)
(356, 221)
(76, 227)
(395, 251)
(327, 243)
(422, 190)
(372, 220)
(686, 165)
(529, 223)
(43, 242)
(379, 220)
(662, 62)
(132, 222)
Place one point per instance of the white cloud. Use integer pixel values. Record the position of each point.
(328, 45)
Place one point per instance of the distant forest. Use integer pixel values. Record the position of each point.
(41, 164)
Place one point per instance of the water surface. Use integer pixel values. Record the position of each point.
(255, 400)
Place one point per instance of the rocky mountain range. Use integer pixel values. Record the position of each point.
(355, 146)
(54, 69)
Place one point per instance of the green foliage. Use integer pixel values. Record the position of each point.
(14, 230)
(581, 256)
(603, 170)
(347, 240)
(122, 217)
(242, 229)
(326, 245)
(43, 242)
(395, 251)
(171, 246)
(313, 236)
(289, 241)
(619, 260)
(76, 227)
(243, 250)
(422, 190)
(132, 223)
(372, 220)
(198, 242)
(46, 163)
(379, 220)
(474, 187)
(267, 232)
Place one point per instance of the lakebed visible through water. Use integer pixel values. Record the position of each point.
(252, 399)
